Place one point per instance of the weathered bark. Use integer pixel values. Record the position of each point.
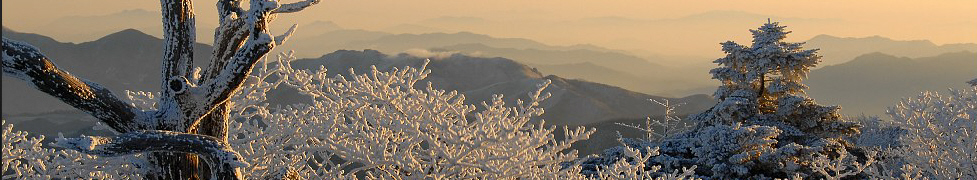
(170, 165)
(215, 125)
(25, 62)
(216, 152)
(179, 27)
(190, 123)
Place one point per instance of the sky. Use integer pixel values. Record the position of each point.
(651, 26)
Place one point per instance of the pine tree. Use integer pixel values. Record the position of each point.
(764, 125)
(763, 82)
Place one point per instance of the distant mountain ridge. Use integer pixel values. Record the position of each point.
(837, 50)
(645, 76)
(79, 29)
(574, 102)
(622, 70)
(314, 45)
(871, 82)
(125, 60)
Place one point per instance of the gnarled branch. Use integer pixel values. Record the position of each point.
(26, 62)
(216, 152)
(229, 37)
(239, 44)
(259, 42)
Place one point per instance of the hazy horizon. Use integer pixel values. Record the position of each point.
(646, 27)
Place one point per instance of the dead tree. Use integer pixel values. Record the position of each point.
(189, 126)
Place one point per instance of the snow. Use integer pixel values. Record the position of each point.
(377, 125)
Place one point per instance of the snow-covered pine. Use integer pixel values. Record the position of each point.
(764, 79)
(184, 107)
(763, 126)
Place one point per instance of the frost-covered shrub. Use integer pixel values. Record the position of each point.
(370, 126)
(24, 157)
(937, 138)
(376, 124)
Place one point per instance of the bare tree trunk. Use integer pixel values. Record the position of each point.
(174, 166)
(186, 136)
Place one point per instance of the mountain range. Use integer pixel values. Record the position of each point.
(871, 82)
(837, 50)
(574, 102)
(655, 37)
(639, 69)
(592, 86)
(79, 29)
(632, 72)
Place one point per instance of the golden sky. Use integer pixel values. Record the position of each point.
(681, 27)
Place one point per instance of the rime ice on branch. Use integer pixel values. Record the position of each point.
(190, 105)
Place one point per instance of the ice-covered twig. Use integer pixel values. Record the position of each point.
(296, 6)
(280, 39)
(838, 168)
(671, 124)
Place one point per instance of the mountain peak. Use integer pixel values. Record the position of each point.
(837, 50)
(326, 25)
(877, 57)
(126, 35)
(823, 37)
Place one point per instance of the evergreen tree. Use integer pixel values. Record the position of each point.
(762, 82)
(764, 126)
